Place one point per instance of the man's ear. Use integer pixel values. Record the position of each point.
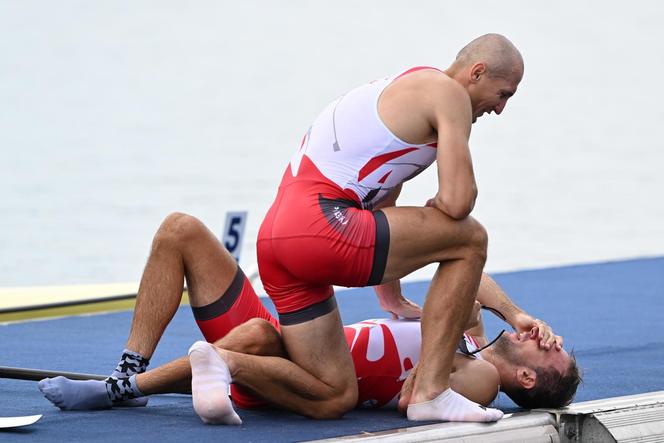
(526, 377)
(477, 71)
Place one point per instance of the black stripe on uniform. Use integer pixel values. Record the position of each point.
(381, 248)
(224, 303)
(309, 313)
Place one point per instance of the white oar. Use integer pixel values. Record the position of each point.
(15, 422)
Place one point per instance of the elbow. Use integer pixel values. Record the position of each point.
(458, 212)
(458, 206)
(456, 209)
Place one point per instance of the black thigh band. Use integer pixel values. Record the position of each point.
(223, 303)
(381, 248)
(309, 313)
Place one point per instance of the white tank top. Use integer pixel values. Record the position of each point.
(351, 146)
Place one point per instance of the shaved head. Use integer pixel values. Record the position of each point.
(500, 56)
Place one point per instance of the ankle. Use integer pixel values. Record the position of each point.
(139, 348)
(131, 363)
(229, 358)
(424, 395)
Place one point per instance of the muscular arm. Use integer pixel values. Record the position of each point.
(491, 295)
(451, 117)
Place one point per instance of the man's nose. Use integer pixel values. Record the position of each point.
(499, 109)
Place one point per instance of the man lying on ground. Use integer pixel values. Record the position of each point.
(529, 365)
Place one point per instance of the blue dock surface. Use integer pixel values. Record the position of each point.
(609, 313)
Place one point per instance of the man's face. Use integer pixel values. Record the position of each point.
(490, 94)
(519, 349)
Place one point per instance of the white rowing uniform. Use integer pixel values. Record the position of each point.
(349, 146)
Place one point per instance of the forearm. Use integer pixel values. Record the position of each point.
(457, 189)
(388, 292)
(457, 192)
(491, 295)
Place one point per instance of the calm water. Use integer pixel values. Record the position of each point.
(113, 114)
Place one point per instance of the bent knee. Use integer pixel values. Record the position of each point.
(477, 239)
(264, 338)
(177, 228)
(336, 406)
(260, 326)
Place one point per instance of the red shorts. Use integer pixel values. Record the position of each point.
(236, 306)
(314, 236)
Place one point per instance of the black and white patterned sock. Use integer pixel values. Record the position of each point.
(121, 389)
(131, 363)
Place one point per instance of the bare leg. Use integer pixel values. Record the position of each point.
(443, 321)
(406, 391)
(315, 382)
(183, 247)
(320, 380)
(256, 337)
(460, 249)
(173, 377)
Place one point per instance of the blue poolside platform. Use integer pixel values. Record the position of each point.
(609, 313)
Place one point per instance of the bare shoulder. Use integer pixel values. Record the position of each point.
(432, 84)
(442, 99)
(443, 86)
(415, 105)
(486, 370)
(477, 380)
(450, 102)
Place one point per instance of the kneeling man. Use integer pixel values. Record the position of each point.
(529, 365)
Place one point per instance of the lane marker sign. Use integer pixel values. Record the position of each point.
(234, 232)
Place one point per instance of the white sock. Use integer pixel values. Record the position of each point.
(450, 406)
(210, 379)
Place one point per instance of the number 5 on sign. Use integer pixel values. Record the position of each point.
(234, 232)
